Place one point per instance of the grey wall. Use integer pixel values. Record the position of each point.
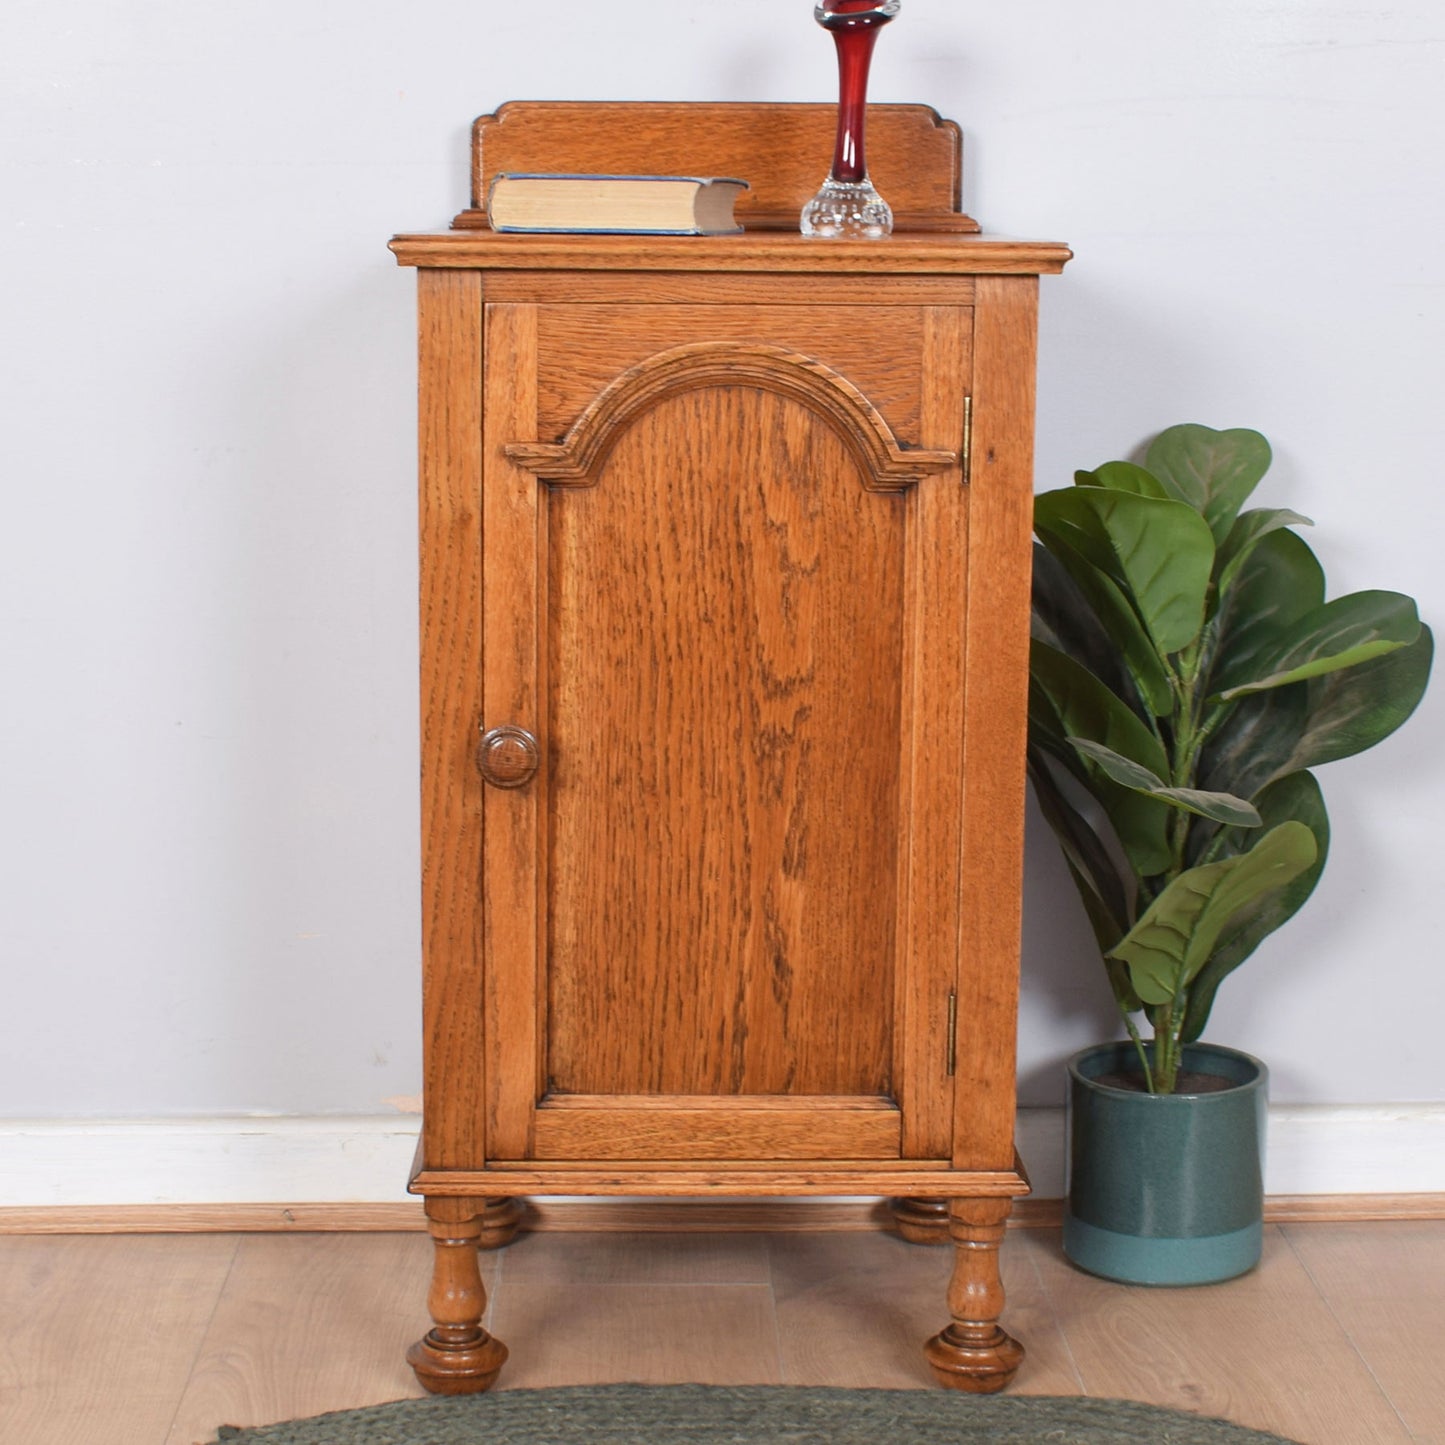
(208, 898)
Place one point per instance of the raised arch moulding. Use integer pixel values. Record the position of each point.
(577, 460)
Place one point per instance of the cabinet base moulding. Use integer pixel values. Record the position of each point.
(721, 1181)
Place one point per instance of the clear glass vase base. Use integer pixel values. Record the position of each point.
(847, 209)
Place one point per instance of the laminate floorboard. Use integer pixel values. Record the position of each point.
(721, 1334)
(1387, 1290)
(305, 1324)
(1338, 1338)
(578, 1309)
(603, 1259)
(1264, 1350)
(852, 1313)
(99, 1333)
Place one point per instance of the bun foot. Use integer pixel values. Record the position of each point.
(446, 1367)
(498, 1222)
(979, 1366)
(921, 1221)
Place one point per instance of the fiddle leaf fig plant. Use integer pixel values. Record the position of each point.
(1186, 674)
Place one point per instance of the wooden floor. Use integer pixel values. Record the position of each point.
(1337, 1339)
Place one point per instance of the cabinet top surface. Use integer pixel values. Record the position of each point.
(899, 254)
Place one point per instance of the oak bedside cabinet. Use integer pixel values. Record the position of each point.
(724, 640)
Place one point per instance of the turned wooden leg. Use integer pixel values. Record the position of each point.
(973, 1353)
(499, 1219)
(921, 1221)
(457, 1356)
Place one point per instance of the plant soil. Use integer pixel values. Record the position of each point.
(1186, 1083)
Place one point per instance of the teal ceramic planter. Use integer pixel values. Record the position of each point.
(1169, 1188)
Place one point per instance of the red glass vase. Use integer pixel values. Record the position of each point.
(847, 204)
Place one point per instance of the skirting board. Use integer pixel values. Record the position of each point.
(1315, 1151)
(627, 1216)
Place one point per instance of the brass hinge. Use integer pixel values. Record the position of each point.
(952, 1032)
(967, 439)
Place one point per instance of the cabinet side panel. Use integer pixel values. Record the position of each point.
(995, 717)
(450, 418)
(725, 639)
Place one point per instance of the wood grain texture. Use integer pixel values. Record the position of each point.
(638, 1129)
(720, 1178)
(1387, 1290)
(1265, 1350)
(931, 754)
(457, 1356)
(87, 1322)
(583, 348)
(1324, 1208)
(725, 665)
(210, 1218)
(513, 866)
(886, 462)
(767, 624)
(973, 1353)
(855, 1311)
(831, 289)
(650, 1333)
(304, 1325)
(995, 718)
(449, 402)
(687, 1258)
(308, 1325)
(902, 252)
(604, 1215)
(781, 150)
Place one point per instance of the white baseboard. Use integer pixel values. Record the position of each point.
(1324, 1150)
(1310, 1149)
(251, 1160)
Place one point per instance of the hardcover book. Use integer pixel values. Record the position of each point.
(648, 205)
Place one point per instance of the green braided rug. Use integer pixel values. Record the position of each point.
(741, 1415)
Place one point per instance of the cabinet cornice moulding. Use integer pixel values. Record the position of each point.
(901, 254)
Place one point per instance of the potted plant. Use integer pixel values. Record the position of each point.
(1186, 675)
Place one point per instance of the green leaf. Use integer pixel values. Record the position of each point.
(1249, 529)
(1222, 807)
(1086, 708)
(1068, 523)
(1213, 471)
(1122, 477)
(1339, 634)
(1128, 657)
(1172, 942)
(1159, 552)
(1278, 581)
(1255, 741)
(1295, 797)
(1066, 700)
(1062, 618)
(1102, 887)
(1356, 707)
(1272, 734)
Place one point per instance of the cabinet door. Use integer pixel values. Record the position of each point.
(724, 588)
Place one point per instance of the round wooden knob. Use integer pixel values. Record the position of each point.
(508, 756)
